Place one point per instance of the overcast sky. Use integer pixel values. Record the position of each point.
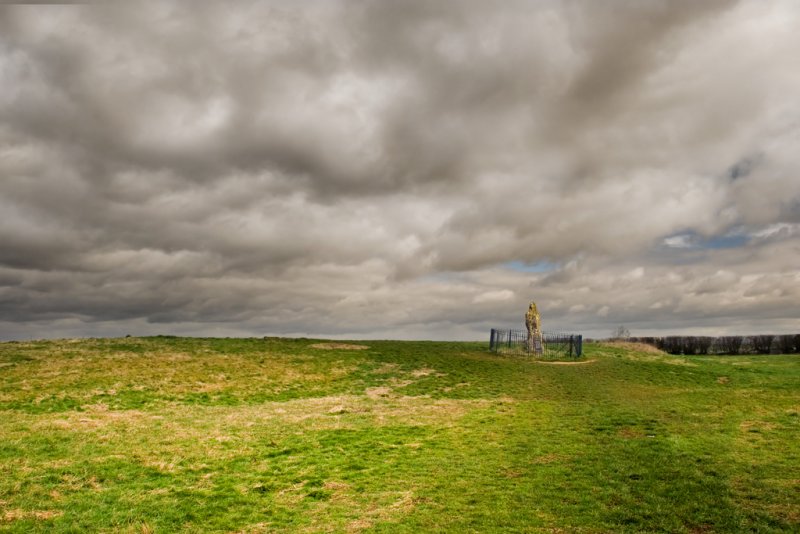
(414, 169)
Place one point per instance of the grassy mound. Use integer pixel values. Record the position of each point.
(276, 435)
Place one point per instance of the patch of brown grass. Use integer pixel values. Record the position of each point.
(788, 512)
(95, 416)
(425, 371)
(638, 347)
(16, 514)
(756, 426)
(358, 525)
(386, 368)
(549, 459)
(254, 529)
(630, 433)
(378, 392)
(644, 352)
(335, 486)
(375, 514)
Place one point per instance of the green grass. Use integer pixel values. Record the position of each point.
(273, 435)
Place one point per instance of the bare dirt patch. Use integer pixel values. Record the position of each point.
(338, 346)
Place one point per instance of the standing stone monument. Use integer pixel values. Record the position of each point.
(533, 322)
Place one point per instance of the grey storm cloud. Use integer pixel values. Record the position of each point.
(404, 169)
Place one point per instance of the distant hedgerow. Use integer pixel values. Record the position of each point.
(762, 344)
(758, 344)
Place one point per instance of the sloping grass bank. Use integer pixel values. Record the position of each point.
(275, 435)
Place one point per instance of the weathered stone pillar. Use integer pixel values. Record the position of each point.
(533, 322)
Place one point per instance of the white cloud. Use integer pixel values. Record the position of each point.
(679, 241)
(777, 229)
(494, 296)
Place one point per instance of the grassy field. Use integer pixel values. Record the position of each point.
(275, 435)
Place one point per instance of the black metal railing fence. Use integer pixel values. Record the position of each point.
(555, 345)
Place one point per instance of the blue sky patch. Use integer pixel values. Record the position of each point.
(726, 241)
(691, 240)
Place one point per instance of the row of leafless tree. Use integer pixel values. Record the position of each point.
(762, 344)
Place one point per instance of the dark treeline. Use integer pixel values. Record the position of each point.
(766, 344)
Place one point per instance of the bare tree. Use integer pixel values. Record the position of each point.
(620, 333)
